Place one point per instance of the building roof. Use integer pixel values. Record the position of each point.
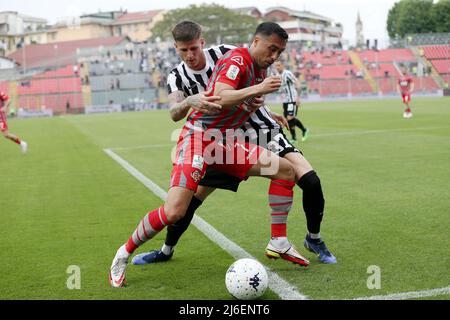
(134, 17)
(58, 53)
(24, 17)
(300, 14)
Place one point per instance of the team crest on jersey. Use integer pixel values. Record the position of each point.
(232, 72)
(196, 176)
(238, 59)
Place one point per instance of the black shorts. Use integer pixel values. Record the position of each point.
(290, 109)
(214, 178)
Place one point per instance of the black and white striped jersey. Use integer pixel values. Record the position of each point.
(191, 82)
(288, 86)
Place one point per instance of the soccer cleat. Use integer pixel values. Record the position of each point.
(292, 141)
(24, 146)
(305, 135)
(320, 249)
(153, 256)
(409, 115)
(118, 269)
(289, 253)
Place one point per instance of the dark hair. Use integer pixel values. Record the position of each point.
(187, 31)
(269, 28)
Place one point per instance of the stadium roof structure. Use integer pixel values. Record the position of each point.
(299, 14)
(136, 17)
(59, 53)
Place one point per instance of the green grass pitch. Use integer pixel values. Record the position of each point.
(385, 180)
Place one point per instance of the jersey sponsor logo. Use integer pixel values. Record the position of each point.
(238, 59)
(197, 162)
(232, 72)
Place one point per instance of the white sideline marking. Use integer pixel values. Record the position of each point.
(281, 287)
(410, 295)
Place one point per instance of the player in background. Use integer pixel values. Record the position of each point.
(193, 72)
(4, 110)
(405, 86)
(291, 102)
(239, 77)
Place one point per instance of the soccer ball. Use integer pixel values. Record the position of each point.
(246, 279)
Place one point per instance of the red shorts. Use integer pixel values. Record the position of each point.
(406, 97)
(194, 154)
(3, 123)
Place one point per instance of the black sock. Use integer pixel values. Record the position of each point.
(313, 201)
(175, 230)
(292, 129)
(300, 125)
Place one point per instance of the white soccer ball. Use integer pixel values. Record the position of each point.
(246, 279)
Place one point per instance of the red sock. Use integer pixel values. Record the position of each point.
(150, 225)
(280, 200)
(16, 140)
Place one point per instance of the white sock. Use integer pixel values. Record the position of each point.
(167, 250)
(123, 253)
(314, 235)
(279, 242)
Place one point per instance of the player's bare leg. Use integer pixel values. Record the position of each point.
(23, 145)
(282, 176)
(174, 208)
(174, 231)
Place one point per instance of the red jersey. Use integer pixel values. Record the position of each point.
(235, 68)
(405, 84)
(3, 123)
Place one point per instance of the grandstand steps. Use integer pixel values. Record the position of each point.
(86, 87)
(13, 94)
(87, 95)
(425, 62)
(367, 76)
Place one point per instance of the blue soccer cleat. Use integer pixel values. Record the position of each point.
(153, 256)
(319, 248)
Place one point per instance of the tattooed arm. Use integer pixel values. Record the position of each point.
(179, 106)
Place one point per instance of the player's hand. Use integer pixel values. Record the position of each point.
(204, 103)
(279, 119)
(257, 102)
(269, 85)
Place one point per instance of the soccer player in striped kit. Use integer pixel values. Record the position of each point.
(4, 104)
(290, 101)
(186, 82)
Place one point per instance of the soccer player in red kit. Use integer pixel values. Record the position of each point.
(405, 86)
(186, 84)
(4, 104)
(238, 77)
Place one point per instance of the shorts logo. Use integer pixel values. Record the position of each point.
(232, 72)
(197, 162)
(196, 176)
(238, 59)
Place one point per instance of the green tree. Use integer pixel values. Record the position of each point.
(440, 14)
(219, 24)
(410, 16)
(392, 20)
